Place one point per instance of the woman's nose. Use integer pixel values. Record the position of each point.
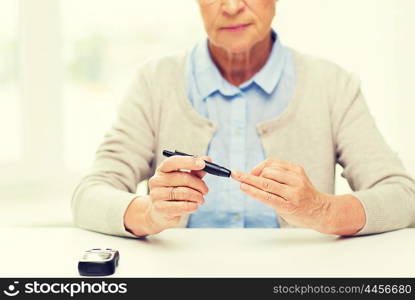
(233, 7)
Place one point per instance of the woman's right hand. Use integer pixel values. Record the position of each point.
(173, 194)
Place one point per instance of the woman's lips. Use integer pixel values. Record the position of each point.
(236, 28)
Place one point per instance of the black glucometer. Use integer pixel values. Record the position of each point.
(210, 168)
(98, 262)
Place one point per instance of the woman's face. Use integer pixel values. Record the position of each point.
(237, 25)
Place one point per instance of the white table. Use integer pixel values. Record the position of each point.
(54, 252)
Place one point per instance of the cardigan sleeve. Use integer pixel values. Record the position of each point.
(375, 172)
(122, 160)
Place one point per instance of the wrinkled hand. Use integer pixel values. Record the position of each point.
(173, 193)
(285, 187)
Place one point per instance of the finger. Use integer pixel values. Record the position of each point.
(175, 208)
(275, 162)
(281, 176)
(265, 184)
(177, 162)
(178, 178)
(180, 193)
(272, 200)
(201, 174)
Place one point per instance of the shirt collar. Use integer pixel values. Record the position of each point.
(270, 74)
(209, 80)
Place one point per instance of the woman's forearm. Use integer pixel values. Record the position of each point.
(136, 218)
(346, 215)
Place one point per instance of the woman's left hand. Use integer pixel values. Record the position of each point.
(286, 187)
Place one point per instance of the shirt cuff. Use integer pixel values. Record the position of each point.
(380, 210)
(101, 208)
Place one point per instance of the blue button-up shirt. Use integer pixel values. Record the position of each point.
(236, 144)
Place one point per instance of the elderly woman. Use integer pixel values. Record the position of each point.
(280, 120)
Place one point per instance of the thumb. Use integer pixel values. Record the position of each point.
(199, 173)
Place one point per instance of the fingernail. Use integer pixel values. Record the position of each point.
(238, 174)
(200, 162)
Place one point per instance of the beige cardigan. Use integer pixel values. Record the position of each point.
(326, 122)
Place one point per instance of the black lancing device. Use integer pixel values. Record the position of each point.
(210, 168)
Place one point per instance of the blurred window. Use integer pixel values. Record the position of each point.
(104, 41)
(10, 120)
